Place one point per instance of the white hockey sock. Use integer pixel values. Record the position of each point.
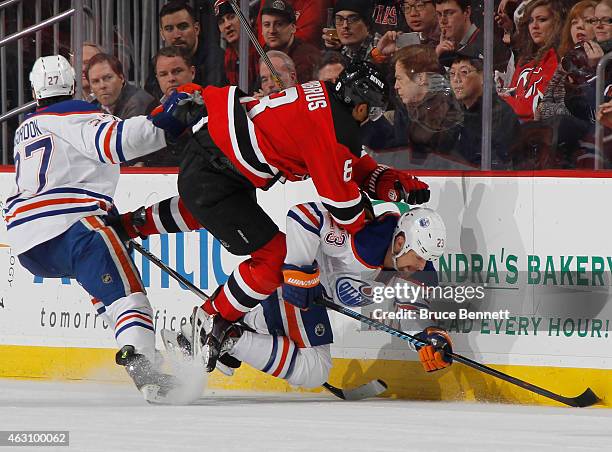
(275, 355)
(132, 319)
(101, 310)
(305, 367)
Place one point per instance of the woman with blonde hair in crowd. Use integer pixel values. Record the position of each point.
(539, 34)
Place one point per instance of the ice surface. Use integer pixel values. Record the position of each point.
(114, 417)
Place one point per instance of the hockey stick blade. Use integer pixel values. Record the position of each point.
(587, 398)
(373, 388)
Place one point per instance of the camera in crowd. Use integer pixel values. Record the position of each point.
(576, 63)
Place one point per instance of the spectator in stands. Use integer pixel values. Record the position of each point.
(604, 114)
(582, 66)
(179, 27)
(517, 6)
(421, 17)
(278, 27)
(466, 78)
(284, 66)
(580, 63)
(387, 16)
(114, 94)
(603, 26)
(578, 30)
(310, 18)
(173, 68)
(229, 27)
(457, 32)
(537, 59)
(352, 35)
(332, 64)
(429, 115)
(89, 50)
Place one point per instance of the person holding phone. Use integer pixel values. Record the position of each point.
(421, 17)
(391, 42)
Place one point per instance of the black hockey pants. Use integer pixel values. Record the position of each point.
(221, 198)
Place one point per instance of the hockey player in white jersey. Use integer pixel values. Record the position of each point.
(288, 336)
(67, 156)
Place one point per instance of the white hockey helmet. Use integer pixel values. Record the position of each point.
(424, 232)
(52, 76)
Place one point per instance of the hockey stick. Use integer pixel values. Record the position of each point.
(176, 275)
(264, 57)
(371, 389)
(587, 398)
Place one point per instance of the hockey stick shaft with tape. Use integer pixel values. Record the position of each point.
(176, 275)
(371, 389)
(587, 398)
(253, 38)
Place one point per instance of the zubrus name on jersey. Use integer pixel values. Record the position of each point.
(315, 95)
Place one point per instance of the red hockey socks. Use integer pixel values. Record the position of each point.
(252, 282)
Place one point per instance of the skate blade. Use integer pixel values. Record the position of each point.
(152, 395)
(225, 370)
(169, 339)
(176, 396)
(200, 321)
(209, 354)
(171, 344)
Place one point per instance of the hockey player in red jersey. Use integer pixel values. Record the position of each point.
(311, 130)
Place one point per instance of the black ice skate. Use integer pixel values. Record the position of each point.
(153, 384)
(182, 342)
(217, 338)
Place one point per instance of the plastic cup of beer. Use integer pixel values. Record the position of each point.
(332, 33)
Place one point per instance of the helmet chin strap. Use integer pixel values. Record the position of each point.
(396, 256)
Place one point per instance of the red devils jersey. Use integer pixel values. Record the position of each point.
(531, 81)
(300, 132)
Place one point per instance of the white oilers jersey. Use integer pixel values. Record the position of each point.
(66, 168)
(347, 274)
(351, 264)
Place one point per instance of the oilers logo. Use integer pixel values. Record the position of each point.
(424, 222)
(353, 292)
(319, 329)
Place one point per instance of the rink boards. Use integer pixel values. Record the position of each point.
(539, 247)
